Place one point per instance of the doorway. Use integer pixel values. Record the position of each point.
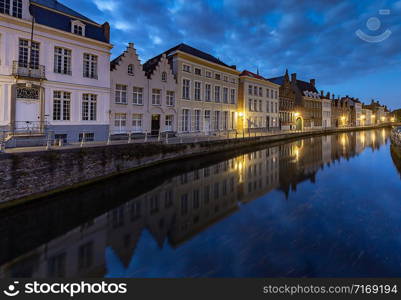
(155, 128)
(299, 124)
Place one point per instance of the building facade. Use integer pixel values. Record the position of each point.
(142, 99)
(326, 111)
(54, 78)
(340, 112)
(207, 91)
(258, 103)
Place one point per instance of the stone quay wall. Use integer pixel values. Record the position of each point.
(26, 176)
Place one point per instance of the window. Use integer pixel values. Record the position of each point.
(255, 90)
(271, 94)
(57, 265)
(260, 105)
(232, 96)
(156, 97)
(276, 108)
(137, 122)
(77, 29)
(121, 94)
(23, 54)
(120, 120)
(250, 89)
(186, 68)
(275, 94)
(268, 106)
(197, 91)
(250, 101)
(137, 96)
(208, 91)
(217, 94)
(88, 136)
(170, 98)
(225, 120)
(216, 120)
(233, 80)
(15, 10)
(186, 89)
(62, 61)
(164, 76)
(267, 93)
(225, 78)
(90, 66)
(131, 70)
(271, 107)
(89, 102)
(85, 256)
(260, 92)
(217, 76)
(225, 95)
(197, 120)
(169, 122)
(61, 106)
(208, 74)
(207, 116)
(185, 120)
(198, 71)
(255, 105)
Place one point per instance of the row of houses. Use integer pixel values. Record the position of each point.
(56, 76)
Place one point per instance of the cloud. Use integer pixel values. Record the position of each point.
(314, 38)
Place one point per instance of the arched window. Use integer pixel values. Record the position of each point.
(130, 69)
(164, 76)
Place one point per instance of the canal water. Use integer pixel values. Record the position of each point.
(318, 207)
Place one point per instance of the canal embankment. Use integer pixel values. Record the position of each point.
(29, 175)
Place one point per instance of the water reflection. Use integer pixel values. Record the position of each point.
(180, 209)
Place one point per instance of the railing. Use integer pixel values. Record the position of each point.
(23, 69)
(28, 127)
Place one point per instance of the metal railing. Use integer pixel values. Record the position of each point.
(29, 70)
(28, 127)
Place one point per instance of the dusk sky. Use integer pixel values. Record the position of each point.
(315, 39)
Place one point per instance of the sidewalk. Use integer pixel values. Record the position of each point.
(180, 139)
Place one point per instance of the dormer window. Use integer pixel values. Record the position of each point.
(131, 70)
(164, 76)
(78, 28)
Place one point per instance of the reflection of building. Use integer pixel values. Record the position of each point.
(179, 208)
(142, 100)
(258, 103)
(54, 71)
(207, 90)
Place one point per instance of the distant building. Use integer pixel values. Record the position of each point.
(378, 112)
(142, 100)
(326, 111)
(286, 103)
(54, 71)
(207, 91)
(366, 118)
(356, 110)
(340, 112)
(307, 105)
(258, 102)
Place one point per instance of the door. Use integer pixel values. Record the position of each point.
(299, 124)
(27, 110)
(155, 128)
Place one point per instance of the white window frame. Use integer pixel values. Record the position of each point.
(137, 122)
(197, 90)
(156, 97)
(78, 28)
(64, 102)
(137, 95)
(186, 89)
(121, 94)
(170, 98)
(62, 60)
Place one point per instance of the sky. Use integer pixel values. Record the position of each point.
(313, 38)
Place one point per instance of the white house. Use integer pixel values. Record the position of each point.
(326, 112)
(143, 97)
(54, 71)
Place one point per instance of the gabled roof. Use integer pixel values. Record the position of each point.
(252, 75)
(114, 63)
(189, 50)
(302, 85)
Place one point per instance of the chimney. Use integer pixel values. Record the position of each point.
(328, 96)
(313, 82)
(131, 45)
(106, 31)
(322, 93)
(293, 77)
